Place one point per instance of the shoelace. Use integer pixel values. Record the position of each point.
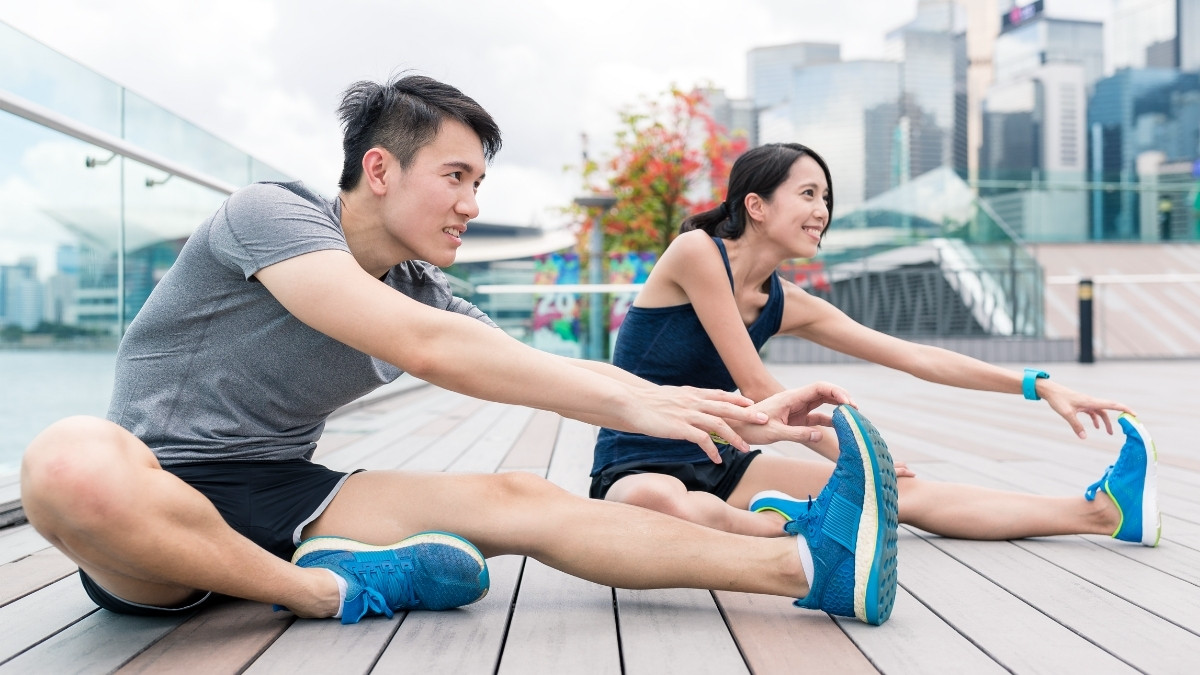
(387, 579)
(1090, 492)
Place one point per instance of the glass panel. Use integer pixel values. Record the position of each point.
(35, 72)
(153, 128)
(58, 281)
(161, 211)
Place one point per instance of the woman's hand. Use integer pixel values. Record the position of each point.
(1070, 404)
(790, 414)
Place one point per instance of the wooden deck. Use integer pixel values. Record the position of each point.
(1056, 605)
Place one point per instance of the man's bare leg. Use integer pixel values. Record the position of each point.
(605, 542)
(97, 493)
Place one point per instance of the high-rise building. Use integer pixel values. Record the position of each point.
(1030, 38)
(737, 115)
(1187, 21)
(932, 53)
(769, 69)
(849, 113)
(1034, 153)
(1142, 34)
(1134, 112)
(983, 25)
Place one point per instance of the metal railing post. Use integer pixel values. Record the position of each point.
(1086, 352)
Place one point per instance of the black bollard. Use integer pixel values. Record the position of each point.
(1086, 352)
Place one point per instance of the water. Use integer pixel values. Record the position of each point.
(38, 387)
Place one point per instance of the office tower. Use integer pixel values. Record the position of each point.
(1187, 21)
(932, 53)
(849, 113)
(1029, 38)
(737, 115)
(1135, 112)
(983, 25)
(769, 69)
(1142, 35)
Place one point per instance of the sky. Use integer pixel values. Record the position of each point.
(267, 75)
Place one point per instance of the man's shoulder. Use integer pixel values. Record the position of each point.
(276, 192)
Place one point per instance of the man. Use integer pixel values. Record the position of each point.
(284, 306)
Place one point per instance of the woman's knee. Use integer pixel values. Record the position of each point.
(649, 494)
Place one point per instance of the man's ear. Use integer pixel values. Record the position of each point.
(376, 167)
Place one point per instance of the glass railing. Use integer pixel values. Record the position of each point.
(86, 231)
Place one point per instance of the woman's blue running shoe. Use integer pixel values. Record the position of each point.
(1132, 484)
(850, 527)
(430, 570)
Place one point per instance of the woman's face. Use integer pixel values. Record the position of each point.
(798, 212)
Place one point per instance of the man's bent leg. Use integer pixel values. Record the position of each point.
(98, 494)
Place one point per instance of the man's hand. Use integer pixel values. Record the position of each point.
(791, 416)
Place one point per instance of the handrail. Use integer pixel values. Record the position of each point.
(37, 114)
(1174, 278)
(496, 289)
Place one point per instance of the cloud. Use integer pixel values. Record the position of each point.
(267, 74)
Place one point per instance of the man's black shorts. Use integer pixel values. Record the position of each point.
(268, 502)
(718, 479)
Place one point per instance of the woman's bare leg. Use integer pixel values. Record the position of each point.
(948, 509)
(667, 494)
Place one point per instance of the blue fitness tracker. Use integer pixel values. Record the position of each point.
(1029, 383)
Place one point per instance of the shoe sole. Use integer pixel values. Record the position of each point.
(1150, 512)
(875, 553)
(314, 544)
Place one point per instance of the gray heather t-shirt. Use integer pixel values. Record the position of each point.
(213, 368)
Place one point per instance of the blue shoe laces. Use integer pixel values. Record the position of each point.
(1090, 493)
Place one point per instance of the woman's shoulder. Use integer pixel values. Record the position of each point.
(692, 245)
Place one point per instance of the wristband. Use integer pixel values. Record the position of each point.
(1029, 383)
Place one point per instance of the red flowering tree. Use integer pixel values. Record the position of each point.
(671, 159)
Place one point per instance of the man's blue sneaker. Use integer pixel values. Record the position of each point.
(777, 502)
(851, 526)
(430, 570)
(1132, 484)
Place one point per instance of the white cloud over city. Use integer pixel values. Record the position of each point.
(267, 74)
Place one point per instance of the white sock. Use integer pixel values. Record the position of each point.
(805, 558)
(342, 588)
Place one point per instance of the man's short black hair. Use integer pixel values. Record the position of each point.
(402, 116)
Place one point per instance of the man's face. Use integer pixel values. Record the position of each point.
(428, 209)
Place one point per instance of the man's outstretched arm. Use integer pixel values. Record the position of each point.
(328, 291)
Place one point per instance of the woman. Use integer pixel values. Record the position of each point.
(714, 299)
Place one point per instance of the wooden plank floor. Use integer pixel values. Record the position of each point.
(1056, 604)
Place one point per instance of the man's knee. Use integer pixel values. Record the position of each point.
(70, 460)
(523, 485)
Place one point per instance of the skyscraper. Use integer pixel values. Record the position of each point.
(769, 69)
(849, 112)
(932, 52)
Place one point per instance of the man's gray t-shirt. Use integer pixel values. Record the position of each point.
(213, 368)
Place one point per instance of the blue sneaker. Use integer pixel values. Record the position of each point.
(430, 570)
(1132, 484)
(851, 526)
